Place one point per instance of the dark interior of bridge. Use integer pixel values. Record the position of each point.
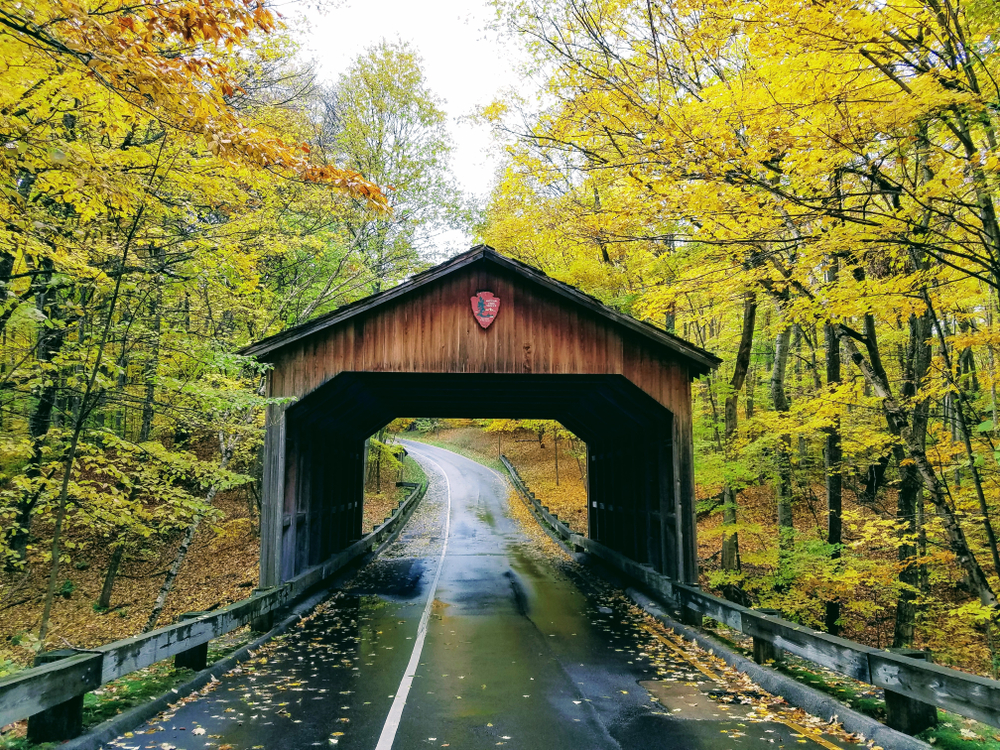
(630, 461)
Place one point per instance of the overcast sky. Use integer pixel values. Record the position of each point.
(465, 64)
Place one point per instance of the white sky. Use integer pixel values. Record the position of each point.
(465, 64)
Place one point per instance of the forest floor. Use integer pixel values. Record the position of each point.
(221, 567)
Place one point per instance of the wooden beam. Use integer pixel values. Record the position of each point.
(272, 500)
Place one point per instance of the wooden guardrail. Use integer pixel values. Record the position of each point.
(32, 691)
(966, 694)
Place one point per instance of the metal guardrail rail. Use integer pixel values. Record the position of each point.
(966, 694)
(31, 691)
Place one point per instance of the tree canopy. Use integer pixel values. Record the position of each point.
(382, 120)
(168, 194)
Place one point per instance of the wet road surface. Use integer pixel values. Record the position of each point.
(520, 648)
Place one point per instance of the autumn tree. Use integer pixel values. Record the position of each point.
(382, 120)
(838, 163)
(142, 200)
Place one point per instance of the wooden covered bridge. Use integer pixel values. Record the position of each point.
(484, 336)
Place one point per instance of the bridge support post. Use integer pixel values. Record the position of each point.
(273, 497)
(61, 722)
(765, 651)
(906, 714)
(195, 658)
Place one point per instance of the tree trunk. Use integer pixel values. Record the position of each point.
(993, 390)
(730, 542)
(555, 442)
(906, 512)
(109, 577)
(50, 341)
(786, 527)
(795, 386)
(834, 477)
(975, 578)
(960, 422)
(7, 261)
(599, 237)
(153, 366)
(914, 369)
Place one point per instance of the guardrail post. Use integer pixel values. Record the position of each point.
(262, 623)
(764, 651)
(906, 714)
(61, 722)
(196, 657)
(691, 617)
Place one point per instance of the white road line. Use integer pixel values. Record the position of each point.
(388, 735)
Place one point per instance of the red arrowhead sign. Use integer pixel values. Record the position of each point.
(485, 307)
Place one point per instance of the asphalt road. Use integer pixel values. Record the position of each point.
(473, 631)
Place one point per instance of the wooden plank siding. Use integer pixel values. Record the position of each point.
(532, 333)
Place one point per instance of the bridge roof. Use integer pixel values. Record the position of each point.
(700, 361)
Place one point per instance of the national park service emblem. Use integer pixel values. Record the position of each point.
(485, 307)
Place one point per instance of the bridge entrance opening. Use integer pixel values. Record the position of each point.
(533, 349)
(629, 459)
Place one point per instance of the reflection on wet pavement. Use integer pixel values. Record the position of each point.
(525, 649)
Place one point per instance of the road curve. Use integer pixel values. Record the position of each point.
(470, 631)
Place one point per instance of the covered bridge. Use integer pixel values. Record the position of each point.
(484, 336)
